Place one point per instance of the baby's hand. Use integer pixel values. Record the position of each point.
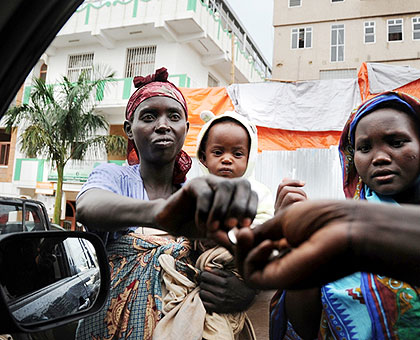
(289, 192)
(222, 292)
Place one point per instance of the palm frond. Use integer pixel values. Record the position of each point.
(42, 92)
(78, 98)
(93, 122)
(15, 115)
(36, 141)
(116, 145)
(112, 144)
(93, 144)
(61, 122)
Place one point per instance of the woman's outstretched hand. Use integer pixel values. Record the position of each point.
(208, 206)
(317, 233)
(329, 240)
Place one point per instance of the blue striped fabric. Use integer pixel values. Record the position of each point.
(122, 180)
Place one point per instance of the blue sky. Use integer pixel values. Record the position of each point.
(257, 17)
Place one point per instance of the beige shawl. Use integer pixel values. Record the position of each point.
(184, 314)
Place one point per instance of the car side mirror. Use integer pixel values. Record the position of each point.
(50, 278)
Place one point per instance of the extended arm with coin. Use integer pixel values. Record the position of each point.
(360, 236)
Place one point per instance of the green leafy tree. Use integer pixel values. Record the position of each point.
(60, 123)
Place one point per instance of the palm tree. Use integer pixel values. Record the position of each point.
(60, 124)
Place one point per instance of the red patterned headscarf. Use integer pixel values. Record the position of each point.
(157, 85)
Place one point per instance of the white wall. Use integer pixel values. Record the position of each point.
(319, 168)
(177, 58)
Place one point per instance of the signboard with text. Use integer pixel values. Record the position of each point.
(77, 171)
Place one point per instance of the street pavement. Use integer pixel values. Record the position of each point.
(259, 314)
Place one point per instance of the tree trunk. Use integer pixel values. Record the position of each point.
(58, 194)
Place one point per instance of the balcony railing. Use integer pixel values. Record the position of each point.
(212, 17)
(116, 92)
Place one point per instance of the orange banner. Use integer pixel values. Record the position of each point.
(412, 88)
(276, 139)
(214, 99)
(218, 101)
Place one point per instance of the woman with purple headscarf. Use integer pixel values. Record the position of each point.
(345, 250)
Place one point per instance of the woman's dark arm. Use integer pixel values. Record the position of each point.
(204, 205)
(303, 310)
(106, 211)
(388, 240)
(359, 236)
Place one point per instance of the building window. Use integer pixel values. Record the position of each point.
(302, 37)
(416, 28)
(295, 3)
(4, 153)
(43, 72)
(212, 81)
(395, 29)
(79, 63)
(369, 32)
(337, 42)
(4, 147)
(140, 61)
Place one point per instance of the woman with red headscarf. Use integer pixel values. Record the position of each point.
(151, 193)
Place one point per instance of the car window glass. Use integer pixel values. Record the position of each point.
(80, 258)
(10, 218)
(33, 221)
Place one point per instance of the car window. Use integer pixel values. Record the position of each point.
(80, 259)
(12, 217)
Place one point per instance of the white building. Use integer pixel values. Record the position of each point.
(194, 39)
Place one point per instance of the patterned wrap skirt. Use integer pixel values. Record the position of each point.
(134, 304)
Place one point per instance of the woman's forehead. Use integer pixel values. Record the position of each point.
(160, 102)
(388, 118)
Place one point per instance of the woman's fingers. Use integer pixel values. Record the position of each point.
(211, 203)
(234, 203)
(322, 258)
(243, 206)
(214, 277)
(245, 242)
(210, 301)
(233, 294)
(288, 192)
(271, 229)
(223, 196)
(250, 238)
(202, 195)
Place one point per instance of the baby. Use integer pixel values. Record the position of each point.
(227, 146)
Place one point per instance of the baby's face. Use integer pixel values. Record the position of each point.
(387, 151)
(227, 150)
